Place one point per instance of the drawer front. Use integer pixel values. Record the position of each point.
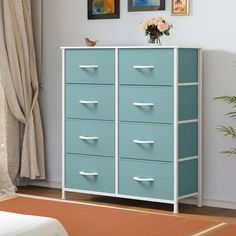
(146, 104)
(146, 66)
(93, 173)
(146, 179)
(90, 66)
(146, 141)
(90, 137)
(90, 101)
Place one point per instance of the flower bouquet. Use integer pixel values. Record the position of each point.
(154, 28)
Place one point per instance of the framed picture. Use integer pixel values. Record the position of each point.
(146, 5)
(103, 9)
(180, 7)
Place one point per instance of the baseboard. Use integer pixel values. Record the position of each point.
(46, 184)
(192, 201)
(211, 203)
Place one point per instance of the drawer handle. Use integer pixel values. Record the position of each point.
(88, 138)
(88, 102)
(88, 173)
(143, 67)
(88, 66)
(143, 141)
(143, 104)
(143, 179)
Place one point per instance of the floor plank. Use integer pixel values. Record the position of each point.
(219, 214)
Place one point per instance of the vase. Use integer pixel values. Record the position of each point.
(154, 41)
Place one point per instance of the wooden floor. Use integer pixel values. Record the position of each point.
(219, 214)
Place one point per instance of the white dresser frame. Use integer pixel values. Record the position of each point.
(175, 124)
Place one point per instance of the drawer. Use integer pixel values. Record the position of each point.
(96, 66)
(146, 141)
(90, 137)
(146, 66)
(90, 101)
(146, 179)
(146, 104)
(93, 173)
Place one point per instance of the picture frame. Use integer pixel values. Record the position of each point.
(180, 7)
(146, 5)
(103, 9)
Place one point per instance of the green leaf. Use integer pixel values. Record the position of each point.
(230, 152)
(227, 99)
(167, 32)
(228, 131)
(232, 114)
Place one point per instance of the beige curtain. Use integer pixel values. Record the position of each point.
(6, 186)
(19, 77)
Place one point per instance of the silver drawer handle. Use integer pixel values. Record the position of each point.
(143, 104)
(143, 141)
(88, 138)
(88, 66)
(88, 102)
(143, 67)
(88, 173)
(143, 179)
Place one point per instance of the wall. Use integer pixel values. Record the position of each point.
(210, 25)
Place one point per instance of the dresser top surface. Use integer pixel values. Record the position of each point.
(114, 47)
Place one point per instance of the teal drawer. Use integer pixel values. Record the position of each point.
(90, 101)
(93, 173)
(90, 137)
(146, 66)
(90, 66)
(146, 104)
(146, 141)
(146, 179)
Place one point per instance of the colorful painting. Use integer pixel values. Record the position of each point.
(103, 9)
(146, 5)
(180, 7)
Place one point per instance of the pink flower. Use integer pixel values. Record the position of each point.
(162, 26)
(143, 26)
(150, 22)
(159, 18)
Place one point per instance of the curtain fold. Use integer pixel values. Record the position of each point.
(6, 186)
(19, 77)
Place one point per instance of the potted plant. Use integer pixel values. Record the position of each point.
(229, 131)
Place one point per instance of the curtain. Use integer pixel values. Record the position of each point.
(6, 186)
(18, 73)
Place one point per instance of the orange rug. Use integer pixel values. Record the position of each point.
(226, 230)
(93, 220)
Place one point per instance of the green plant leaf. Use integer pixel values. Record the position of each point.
(232, 114)
(227, 99)
(227, 130)
(230, 152)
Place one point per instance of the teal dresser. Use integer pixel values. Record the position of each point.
(132, 122)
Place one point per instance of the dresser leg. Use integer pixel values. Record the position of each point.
(199, 200)
(63, 195)
(176, 208)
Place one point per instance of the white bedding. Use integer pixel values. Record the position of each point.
(12, 224)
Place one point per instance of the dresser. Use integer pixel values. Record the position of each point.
(131, 122)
